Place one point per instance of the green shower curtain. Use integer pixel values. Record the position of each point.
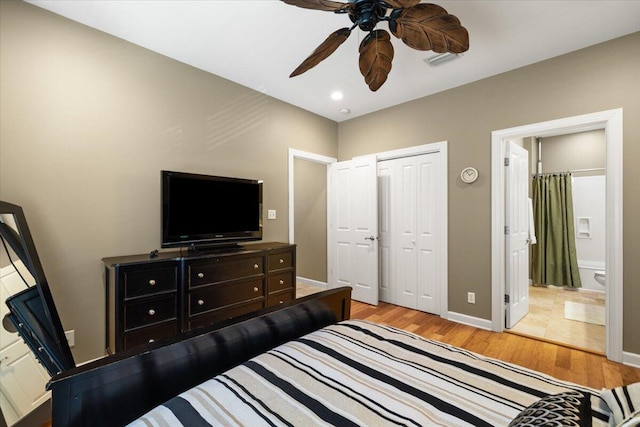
(554, 260)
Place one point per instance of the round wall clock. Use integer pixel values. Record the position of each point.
(469, 175)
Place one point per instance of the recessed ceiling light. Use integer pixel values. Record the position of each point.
(337, 95)
(345, 111)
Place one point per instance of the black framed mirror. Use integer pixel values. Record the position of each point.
(32, 312)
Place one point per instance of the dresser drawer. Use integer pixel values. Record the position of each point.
(279, 298)
(280, 281)
(147, 281)
(219, 270)
(220, 315)
(217, 296)
(149, 311)
(280, 260)
(149, 335)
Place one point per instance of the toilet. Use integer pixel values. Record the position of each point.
(600, 276)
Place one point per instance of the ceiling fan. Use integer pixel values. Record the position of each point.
(421, 26)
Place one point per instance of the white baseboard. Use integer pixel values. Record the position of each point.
(469, 320)
(312, 282)
(631, 359)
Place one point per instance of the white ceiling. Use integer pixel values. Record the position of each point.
(257, 43)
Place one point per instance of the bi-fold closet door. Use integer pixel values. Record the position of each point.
(410, 211)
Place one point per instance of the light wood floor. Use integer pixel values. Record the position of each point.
(580, 367)
(546, 318)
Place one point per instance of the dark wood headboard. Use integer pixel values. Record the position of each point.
(120, 388)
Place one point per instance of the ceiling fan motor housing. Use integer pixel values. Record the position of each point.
(367, 13)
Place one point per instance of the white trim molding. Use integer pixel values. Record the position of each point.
(631, 359)
(469, 320)
(312, 282)
(611, 122)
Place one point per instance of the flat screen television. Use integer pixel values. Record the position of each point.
(208, 212)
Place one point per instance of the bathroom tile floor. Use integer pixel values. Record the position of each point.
(546, 319)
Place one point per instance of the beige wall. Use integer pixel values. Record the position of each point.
(310, 197)
(598, 78)
(584, 150)
(87, 123)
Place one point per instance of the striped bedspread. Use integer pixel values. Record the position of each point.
(358, 373)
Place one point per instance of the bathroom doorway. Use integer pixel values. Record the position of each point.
(611, 122)
(571, 309)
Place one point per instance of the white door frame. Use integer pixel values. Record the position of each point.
(303, 155)
(417, 150)
(611, 122)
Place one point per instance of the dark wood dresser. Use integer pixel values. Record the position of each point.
(152, 298)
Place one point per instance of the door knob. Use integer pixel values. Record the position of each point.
(372, 238)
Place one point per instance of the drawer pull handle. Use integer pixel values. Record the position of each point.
(281, 282)
(281, 261)
(280, 302)
(151, 340)
(152, 282)
(151, 312)
(255, 289)
(255, 266)
(201, 275)
(200, 302)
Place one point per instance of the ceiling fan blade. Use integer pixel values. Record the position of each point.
(429, 27)
(397, 4)
(328, 5)
(323, 51)
(376, 54)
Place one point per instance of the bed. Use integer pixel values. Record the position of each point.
(307, 363)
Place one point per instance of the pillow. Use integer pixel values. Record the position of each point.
(624, 402)
(571, 408)
(632, 420)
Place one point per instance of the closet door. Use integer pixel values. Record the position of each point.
(429, 209)
(409, 214)
(386, 289)
(405, 225)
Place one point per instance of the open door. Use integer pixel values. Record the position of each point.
(353, 227)
(516, 234)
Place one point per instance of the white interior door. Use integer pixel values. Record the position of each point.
(429, 231)
(385, 209)
(409, 231)
(404, 203)
(353, 227)
(516, 234)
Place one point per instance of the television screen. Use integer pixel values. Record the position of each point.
(201, 210)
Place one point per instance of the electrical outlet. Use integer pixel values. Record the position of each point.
(471, 297)
(71, 337)
(271, 214)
